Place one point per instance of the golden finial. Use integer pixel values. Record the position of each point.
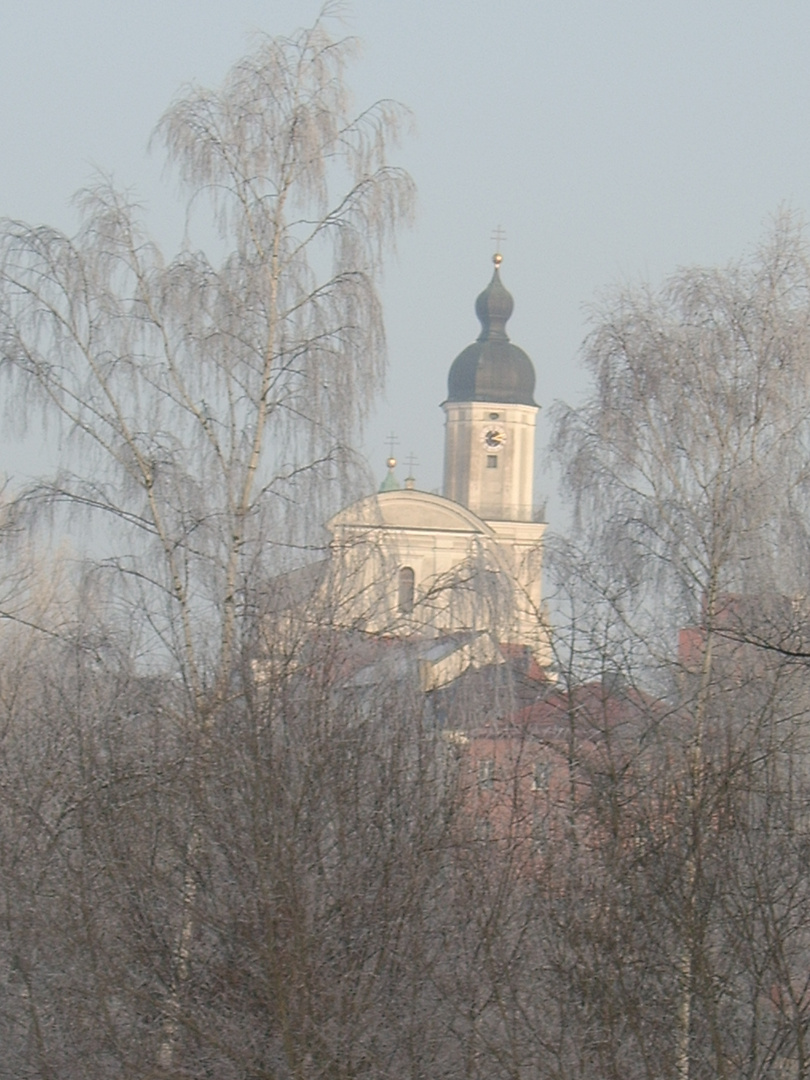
(498, 237)
(392, 441)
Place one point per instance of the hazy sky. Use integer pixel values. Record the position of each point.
(612, 139)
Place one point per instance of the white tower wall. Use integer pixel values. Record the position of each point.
(495, 482)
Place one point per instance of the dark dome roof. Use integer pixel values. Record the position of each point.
(492, 369)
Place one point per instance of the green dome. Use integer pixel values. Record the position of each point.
(390, 483)
(492, 369)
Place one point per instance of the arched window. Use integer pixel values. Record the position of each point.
(406, 588)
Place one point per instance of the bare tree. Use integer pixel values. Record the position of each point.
(689, 459)
(688, 472)
(201, 401)
(199, 398)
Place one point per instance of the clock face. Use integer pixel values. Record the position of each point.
(493, 438)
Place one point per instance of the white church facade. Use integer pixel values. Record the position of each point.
(466, 564)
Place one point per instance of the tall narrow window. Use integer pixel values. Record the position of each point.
(486, 774)
(483, 828)
(542, 771)
(406, 588)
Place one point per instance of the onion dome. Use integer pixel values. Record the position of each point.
(390, 483)
(492, 369)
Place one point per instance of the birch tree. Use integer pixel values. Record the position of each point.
(200, 396)
(689, 459)
(687, 469)
(207, 406)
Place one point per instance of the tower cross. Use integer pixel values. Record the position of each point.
(498, 237)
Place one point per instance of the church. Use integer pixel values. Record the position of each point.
(460, 572)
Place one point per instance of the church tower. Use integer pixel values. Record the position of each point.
(490, 417)
(467, 567)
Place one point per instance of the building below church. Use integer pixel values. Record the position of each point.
(467, 564)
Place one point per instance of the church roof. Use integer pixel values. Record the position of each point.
(409, 510)
(492, 368)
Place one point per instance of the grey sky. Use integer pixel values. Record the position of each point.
(612, 139)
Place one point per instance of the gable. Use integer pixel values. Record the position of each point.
(409, 510)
